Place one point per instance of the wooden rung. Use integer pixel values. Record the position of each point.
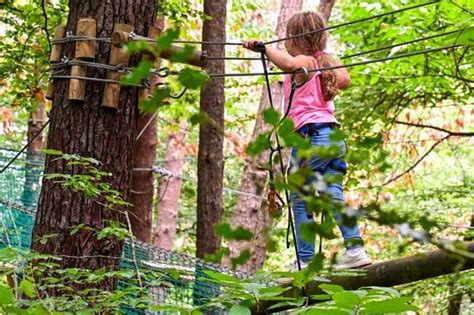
(118, 55)
(85, 49)
(56, 50)
(77, 87)
(50, 92)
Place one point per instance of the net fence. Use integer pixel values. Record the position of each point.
(185, 276)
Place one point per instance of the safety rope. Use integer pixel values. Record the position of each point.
(273, 193)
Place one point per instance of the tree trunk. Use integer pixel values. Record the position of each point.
(170, 190)
(249, 213)
(144, 156)
(455, 302)
(389, 273)
(211, 133)
(34, 161)
(325, 7)
(90, 130)
(142, 191)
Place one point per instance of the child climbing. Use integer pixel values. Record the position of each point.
(312, 112)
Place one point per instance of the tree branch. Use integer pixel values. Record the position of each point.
(417, 162)
(450, 132)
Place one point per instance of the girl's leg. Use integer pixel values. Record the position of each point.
(351, 234)
(305, 249)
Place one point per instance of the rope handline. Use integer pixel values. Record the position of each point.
(351, 65)
(291, 226)
(36, 135)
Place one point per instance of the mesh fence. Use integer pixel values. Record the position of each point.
(185, 275)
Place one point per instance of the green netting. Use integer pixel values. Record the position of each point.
(19, 191)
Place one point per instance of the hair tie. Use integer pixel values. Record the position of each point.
(319, 53)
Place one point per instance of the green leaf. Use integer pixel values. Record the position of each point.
(331, 288)
(238, 234)
(192, 79)
(28, 288)
(6, 295)
(463, 37)
(261, 144)
(239, 310)
(241, 259)
(346, 299)
(271, 116)
(167, 38)
(141, 72)
(397, 305)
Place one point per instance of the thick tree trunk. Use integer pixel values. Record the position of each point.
(90, 130)
(391, 273)
(170, 190)
(211, 134)
(36, 121)
(250, 214)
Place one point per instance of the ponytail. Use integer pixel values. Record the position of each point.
(328, 77)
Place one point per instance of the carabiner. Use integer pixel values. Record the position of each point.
(294, 84)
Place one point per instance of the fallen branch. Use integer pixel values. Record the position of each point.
(389, 273)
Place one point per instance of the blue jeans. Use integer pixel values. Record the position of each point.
(322, 168)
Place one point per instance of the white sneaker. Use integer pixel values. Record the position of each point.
(294, 267)
(353, 259)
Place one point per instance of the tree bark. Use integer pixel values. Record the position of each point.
(455, 302)
(90, 130)
(249, 213)
(142, 191)
(211, 133)
(325, 7)
(36, 121)
(391, 273)
(144, 156)
(169, 190)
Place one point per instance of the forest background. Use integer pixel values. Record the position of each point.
(393, 116)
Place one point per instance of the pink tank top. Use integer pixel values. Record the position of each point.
(308, 104)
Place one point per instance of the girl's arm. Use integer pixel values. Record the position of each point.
(282, 60)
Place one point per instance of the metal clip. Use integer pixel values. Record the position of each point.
(121, 68)
(132, 36)
(302, 70)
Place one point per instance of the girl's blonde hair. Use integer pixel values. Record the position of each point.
(311, 44)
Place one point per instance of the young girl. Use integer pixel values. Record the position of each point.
(312, 112)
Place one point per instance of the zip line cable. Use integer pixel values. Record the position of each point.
(70, 38)
(351, 55)
(377, 16)
(353, 22)
(220, 75)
